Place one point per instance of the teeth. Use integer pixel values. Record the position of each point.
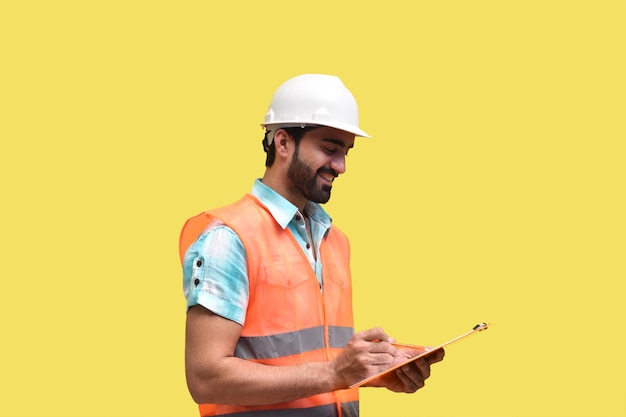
(329, 178)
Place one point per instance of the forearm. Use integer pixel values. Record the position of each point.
(240, 382)
(214, 375)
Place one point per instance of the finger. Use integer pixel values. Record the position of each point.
(423, 367)
(375, 333)
(385, 359)
(433, 356)
(411, 379)
(436, 356)
(409, 352)
(383, 347)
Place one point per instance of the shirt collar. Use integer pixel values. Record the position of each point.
(283, 211)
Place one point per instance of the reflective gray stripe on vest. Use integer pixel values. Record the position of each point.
(291, 343)
(350, 409)
(339, 336)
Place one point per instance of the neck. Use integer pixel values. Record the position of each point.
(291, 195)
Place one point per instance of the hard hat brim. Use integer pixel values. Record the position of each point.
(335, 125)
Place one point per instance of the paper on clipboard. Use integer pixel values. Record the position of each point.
(476, 329)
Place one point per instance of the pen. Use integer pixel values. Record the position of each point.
(404, 345)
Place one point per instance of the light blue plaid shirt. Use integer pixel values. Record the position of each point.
(215, 273)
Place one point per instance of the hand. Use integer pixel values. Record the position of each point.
(413, 375)
(367, 353)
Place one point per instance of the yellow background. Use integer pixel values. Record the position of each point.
(493, 190)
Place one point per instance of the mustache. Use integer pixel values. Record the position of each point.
(328, 171)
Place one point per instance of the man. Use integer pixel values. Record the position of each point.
(267, 279)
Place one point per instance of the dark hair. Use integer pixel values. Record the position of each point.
(296, 134)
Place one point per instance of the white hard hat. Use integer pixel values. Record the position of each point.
(313, 99)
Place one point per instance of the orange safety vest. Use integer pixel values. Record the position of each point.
(289, 320)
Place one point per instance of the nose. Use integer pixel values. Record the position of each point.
(339, 164)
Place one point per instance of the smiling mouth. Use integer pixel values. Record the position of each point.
(327, 177)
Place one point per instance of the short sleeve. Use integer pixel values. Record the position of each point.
(215, 274)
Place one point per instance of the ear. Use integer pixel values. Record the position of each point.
(282, 142)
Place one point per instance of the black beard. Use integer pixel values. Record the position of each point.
(305, 180)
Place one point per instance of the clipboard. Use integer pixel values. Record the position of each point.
(476, 329)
